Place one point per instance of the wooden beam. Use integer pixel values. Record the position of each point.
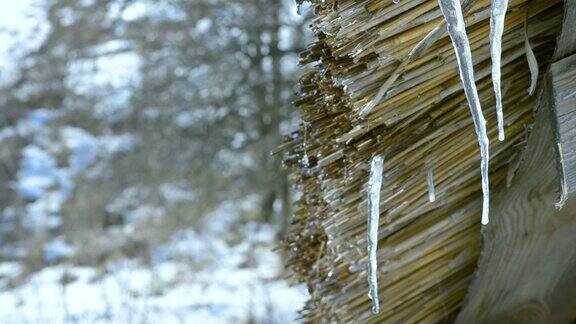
(529, 245)
(527, 271)
(564, 81)
(567, 40)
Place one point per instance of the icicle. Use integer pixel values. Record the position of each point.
(497, 18)
(532, 62)
(414, 54)
(452, 12)
(563, 184)
(430, 180)
(375, 185)
(305, 159)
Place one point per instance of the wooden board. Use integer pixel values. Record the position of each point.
(567, 41)
(527, 271)
(564, 81)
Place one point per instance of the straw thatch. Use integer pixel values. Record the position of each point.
(427, 251)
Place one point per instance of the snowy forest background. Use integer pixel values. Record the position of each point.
(137, 184)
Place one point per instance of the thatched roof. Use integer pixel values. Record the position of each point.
(427, 251)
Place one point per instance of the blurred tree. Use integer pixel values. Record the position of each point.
(212, 97)
(225, 70)
(73, 30)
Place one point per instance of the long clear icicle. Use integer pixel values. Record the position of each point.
(375, 185)
(452, 11)
(497, 18)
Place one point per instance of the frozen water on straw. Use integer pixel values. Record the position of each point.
(532, 62)
(430, 181)
(452, 11)
(375, 185)
(498, 15)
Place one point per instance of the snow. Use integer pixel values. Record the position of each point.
(202, 275)
(40, 180)
(43, 180)
(452, 11)
(23, 28)
(83, 147)
(57, 250)
(497, 18)
(174, 193)
(39, 172)
(135, 11)
(203, 25)
(375, 186)
(225, 290)
(110, 76)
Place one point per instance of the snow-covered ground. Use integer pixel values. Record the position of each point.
(236, 284)
(44, 182)
(199, 276)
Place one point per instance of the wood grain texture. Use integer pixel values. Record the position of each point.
(564, 81)
(525, 274)
(527, 271)
(567, 41)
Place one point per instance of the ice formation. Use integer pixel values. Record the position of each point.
(430, 181)
(375, 185)
(452, 11)
(532, 62)
(497, 17)
(305, 159)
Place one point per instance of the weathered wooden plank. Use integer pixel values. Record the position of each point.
(567, 40)
(525, 272)
(564, 82)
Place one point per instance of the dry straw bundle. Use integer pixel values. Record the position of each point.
(427, 251)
